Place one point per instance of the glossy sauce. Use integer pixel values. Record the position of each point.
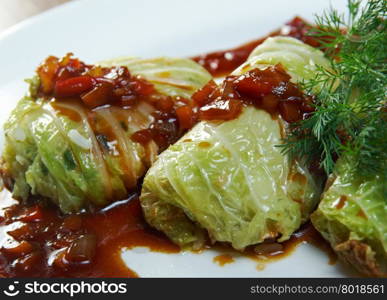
(342, 202)
(51, 234)
(223, 62)
(46, 235)
(223, 259)
(269, 89)
(36, 239)
(270, 251)
(306, 234)
(70, 81)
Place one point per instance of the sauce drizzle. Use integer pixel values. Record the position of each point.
(51, 234)
(222, 62)
(223, 259)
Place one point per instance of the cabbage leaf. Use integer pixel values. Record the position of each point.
(352, 216)
(230, 179)
(67, 157)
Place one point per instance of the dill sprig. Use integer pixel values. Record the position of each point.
(350, 109)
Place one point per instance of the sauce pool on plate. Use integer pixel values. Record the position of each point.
(39, 241)
(220, 63)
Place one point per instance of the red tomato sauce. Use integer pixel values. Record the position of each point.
(269, 89)
(70, 80)
(37, 240)
(222, 62)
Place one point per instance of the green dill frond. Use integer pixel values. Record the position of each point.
(350, 108)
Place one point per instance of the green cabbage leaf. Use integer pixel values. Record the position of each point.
(229, 179)
(68, 157)
(352, 216)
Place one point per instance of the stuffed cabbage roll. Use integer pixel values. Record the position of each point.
(227, 176)
(85, 134)
(352, 216)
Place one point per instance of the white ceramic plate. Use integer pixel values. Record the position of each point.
(101, 29)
